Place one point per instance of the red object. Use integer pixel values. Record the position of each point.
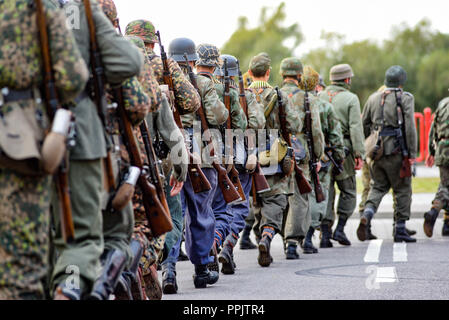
(423, 122)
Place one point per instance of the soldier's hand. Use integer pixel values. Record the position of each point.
(430, 161)
(251, 162)
(176, 186)
(318, 166)
(358, 164)
(229, 163)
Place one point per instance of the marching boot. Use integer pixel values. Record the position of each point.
(114, 262)
(409, 232)
(400, 234)
(369, 234)
(182, 256)
(245, 241)
(430, 217)
(214, 266)
(308, 244)
(291, 253)
(326, 236)
(204, 276)
(169, 284)
(339, 234)
(365, 224)
(226, 257)
(445, 230)
(129, 287)
(153, 288)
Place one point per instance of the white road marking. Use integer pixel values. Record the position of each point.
(373, 252)
(400, 252)
(386, 275)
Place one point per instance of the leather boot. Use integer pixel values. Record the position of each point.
(339, 234)
(291, 252)
(308, 244)
(169, 284)
(129, 287)
(226, 257)
(400, 234)
(245, 241)
(370, 236)
(326, 236)
(204, 276)
(214, 266)
(430, 217)
(365, 224)
(264, 259)
(445, 230)
(182, 256)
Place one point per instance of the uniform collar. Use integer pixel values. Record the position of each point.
(260, 85)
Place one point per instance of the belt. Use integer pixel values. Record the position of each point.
(10, 95)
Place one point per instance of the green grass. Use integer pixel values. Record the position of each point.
(419, 185)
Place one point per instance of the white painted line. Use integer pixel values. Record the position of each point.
(386, 275)
(400, 252)
(373, 252)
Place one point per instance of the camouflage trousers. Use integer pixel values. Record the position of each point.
(441, 200)
(24, 222)
(347, 200)
(366, 178)
(297, 218)
(271, 214)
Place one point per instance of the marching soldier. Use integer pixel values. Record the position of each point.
(25, 194)
(298, 218)
(438, 155)
(347, 109)
(388, 119)
(269, 218)
(121, 61)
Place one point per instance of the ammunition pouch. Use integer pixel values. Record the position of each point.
(374, 145)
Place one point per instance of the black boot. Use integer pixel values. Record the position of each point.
(114, 262)
(339, 234)
(291, 252)
(264, 259)
(226, 259)
(326, 236)
(445, 230)
(365, 224)
(128, 287)
(245, 241)
(182, 256)
(430, 217)
(308, 244)
(370, 236)
(204, 276)
(214, 266)
(169, 284)
(400, 234)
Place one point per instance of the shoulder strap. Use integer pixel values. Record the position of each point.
(332, 95)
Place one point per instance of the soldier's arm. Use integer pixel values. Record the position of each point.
(137, 102)
(318, 137)
(70, 70)
(187, 98)
(238, 117)
(432, 138)
(410, 128)
(366, 119)
(121, 59)
(215, 110)
(294, 124)
(256, 117)
(356, 129)
(336, 135)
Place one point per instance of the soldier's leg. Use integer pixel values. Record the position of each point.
(440, 202)
(223, 218)
(329, 217)
(347, 202)
(82, 257)
(317, 213)
(245, 241)
(366, 178)
(24, 221)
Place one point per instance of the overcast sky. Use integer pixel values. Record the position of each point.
(214, 21)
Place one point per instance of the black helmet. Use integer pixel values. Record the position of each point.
(233, 70)
(179, 46)
(395, 77)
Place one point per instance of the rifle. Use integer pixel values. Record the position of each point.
(260, 183)
(337, 166)
(233, 174)
(197, 177)
(303, 185)
(98, 93)
(230, 194)
(52, 101)
(406, 170)
(157, 215)
(319, 195)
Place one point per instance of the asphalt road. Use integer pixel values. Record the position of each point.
(369, 270)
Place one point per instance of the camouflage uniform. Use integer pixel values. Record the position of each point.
(121, 61)
(25, 200)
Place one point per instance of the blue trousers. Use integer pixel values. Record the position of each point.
(223, 216)
(241, 210)
(200, 220)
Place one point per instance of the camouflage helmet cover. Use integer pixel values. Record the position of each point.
(109, 9)
(209, 56)
(138, 42)
(260, 64)
(143, 29)
(341, 72)
(395, 77)
(179, 46)
(231, 62)
(310, 79)
(291, 67)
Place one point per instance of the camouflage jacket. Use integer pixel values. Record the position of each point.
(187, 99)
(439, 134)
(238, 117)
(121, 61)
(296, 95)
(372, 118)
(347, 109)
(256, 117)
(264, 92)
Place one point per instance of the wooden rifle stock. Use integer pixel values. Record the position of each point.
(51, 97)
(157, 216)
(303, 185)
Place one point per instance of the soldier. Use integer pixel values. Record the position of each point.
(438, 155)
(334, 147)
(25, 198)
(245, 161)
(121, 61)
(321, 85)
(297, 221)
(391, 114)
(347, 109)
(269, 217)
